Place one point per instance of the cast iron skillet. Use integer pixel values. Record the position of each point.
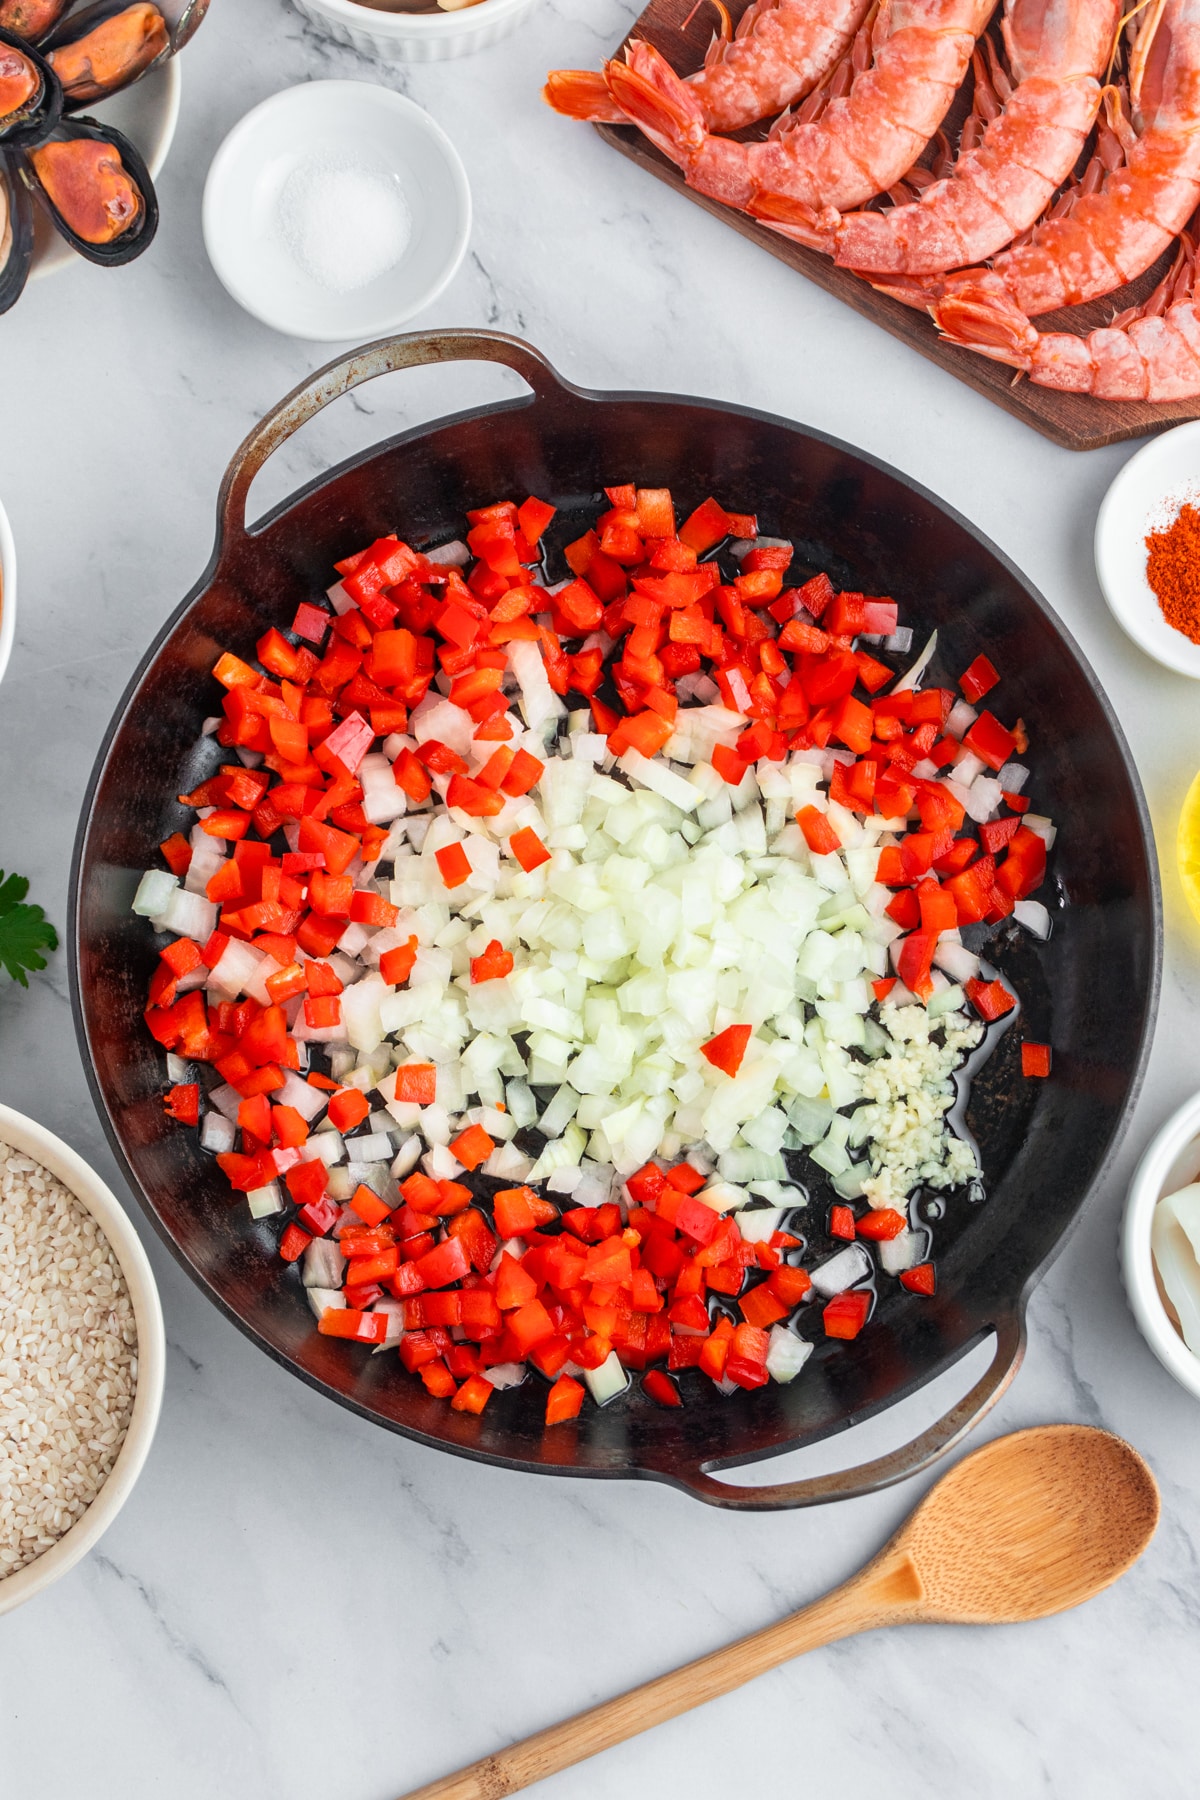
(1090, 991)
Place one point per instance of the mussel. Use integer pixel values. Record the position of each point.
(30, 97)
(16, 233)
(105, 48)
(31, 19)
(97, 189)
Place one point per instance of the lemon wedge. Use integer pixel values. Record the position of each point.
(1187, 846)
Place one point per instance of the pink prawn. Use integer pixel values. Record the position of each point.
(905, 69)
(1151, 352)
(1103, 238)
(779, 53)
(1019, 146)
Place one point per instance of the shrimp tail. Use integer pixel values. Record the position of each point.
(581, 94)
(982, 318)
(918, 291)
(652, 96)
(815, 228)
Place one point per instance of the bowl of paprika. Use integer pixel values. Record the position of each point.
(1148, 549)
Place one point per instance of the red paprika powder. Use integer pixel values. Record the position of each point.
(1173, 571)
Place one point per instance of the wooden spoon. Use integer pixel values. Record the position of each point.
(1029, 1525)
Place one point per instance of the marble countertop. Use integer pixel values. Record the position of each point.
(295, 1605)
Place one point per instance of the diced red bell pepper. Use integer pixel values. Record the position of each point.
(446, 1263)
(519, 1210)
(416, 1083)
(183, 1103)
(472, 1146)
(454, 864)
(845, 1315)
(914, 963)
(991, 999)
(293, 1243)
(397, 965)
(726, 1050)
(978, 680)
(348, 1108)
(819, 834)
(528, 849)
(348, 1322)
(661, 1388)
(841, 1222)
(493, 964)
(564, 1400)
(762, 1307)
(990, 741)
(881, 1223)
(919, 1280)
(1035, 1060)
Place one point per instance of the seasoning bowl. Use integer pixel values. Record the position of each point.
(386, 32)
(147, 114)
(1146, 496)
(280, 224)
(33, 1140)
(1171, 1160)
(8, 591)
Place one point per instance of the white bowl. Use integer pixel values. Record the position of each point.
(23, 1134)
(415, 37)
(147, 113)
(1145, 496)
(325, 124)
(1171, 1161)
(8, 591)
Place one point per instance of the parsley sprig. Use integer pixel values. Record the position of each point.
(25, 931)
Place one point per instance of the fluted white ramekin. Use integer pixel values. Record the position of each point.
(415, 37)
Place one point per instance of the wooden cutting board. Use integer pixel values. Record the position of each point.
(1073, 420)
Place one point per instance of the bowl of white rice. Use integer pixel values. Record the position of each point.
(82, 1358)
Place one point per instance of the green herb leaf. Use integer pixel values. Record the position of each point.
(24, 930)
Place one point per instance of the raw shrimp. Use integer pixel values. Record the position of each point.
(1028, 146)
(1151, 352)
(906, 66)
(1107, 237)
(780, 51)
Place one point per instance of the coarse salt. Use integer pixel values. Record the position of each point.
(344, 221)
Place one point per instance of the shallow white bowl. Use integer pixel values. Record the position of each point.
(8, 591)
(338, 120)
(1171, 1161)
(147, 113)
(1145, 496)
(23, 1134)
(415, 37)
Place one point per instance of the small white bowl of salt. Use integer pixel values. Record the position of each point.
(336, 210)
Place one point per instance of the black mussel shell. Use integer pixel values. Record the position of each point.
(16, 233)
(31, 20)
(86, 19)
(42, 112)
(140, 235)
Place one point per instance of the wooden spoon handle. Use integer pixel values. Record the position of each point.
(881, 1595)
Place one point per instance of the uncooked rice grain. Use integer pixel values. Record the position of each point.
(68, 1359)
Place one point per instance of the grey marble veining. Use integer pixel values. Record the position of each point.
(295, 1606)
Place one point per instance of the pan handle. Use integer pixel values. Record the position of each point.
(898, 1465)
(409, 351)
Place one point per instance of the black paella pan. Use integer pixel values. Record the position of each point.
(1090, 990)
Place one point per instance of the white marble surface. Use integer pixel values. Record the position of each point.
(296, 1606)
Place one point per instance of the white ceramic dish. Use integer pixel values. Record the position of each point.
(147, 113)
(415, 37)
(1171, 1161)
(8, 591)
(23, 1134)
(327, 124)
(1145, 496)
